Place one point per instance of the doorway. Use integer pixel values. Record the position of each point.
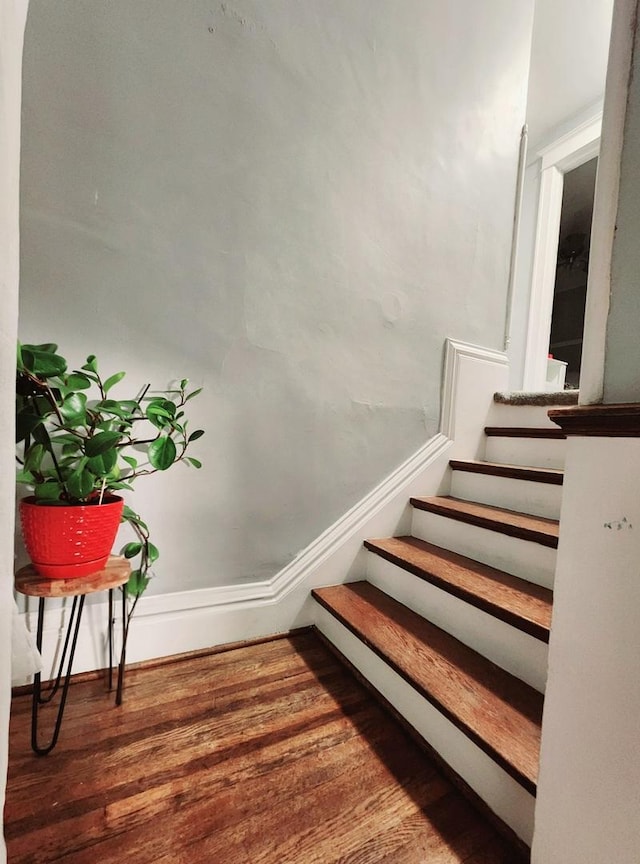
(557, 161)
(570, 289)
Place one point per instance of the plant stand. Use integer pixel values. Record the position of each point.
(29, 582)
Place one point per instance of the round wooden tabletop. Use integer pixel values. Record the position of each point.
(29, 581)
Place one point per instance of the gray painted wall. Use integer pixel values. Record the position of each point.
(292, 204)
(622, 361)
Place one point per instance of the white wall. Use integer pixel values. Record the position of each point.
(293, 204)
(12, 18)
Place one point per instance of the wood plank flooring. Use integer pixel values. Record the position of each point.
(262, 754)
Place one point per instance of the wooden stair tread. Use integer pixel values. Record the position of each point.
(537, 529)
(515, 601)
(500, 713)
(524, 432)
(553, 476)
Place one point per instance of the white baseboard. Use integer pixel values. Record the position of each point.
(189, 620)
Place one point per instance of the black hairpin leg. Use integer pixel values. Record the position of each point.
(110, 639)
(70, 650)
(123, 653)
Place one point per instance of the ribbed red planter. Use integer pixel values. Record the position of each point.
(64, 541)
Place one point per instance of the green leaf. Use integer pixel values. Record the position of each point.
(166, 405)
(105, 425)
(195, 462)
(25, 424)
(112, 381)
(133, 463)
(88, 374)
(102, 464)
(152, 553)
(44, 364)
(33, 457)
(80, 483)
(41, 435)
(120, 484)
(162, 453)
(101, 442)
(43, 406)
(193, 393)
(67, 438)
(47, 347)
(183, 383)
(73, 409)
(77, 381)
(129, 515)
(25, 477)
(131, 550)
(137, 583)
(160, 412)
(92, 364)
(130, 406)
(158, 416)
(50, 490)
(112, 407)
(198, 433)
(70, 462)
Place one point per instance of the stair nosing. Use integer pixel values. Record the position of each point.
(508, 616)
(524, 432)
(486, 746)
(534, 535)
(551, 476)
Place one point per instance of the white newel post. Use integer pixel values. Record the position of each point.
(588, 806)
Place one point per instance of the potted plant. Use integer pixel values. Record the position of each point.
(78, 448)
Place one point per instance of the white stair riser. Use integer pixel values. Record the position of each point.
(526, 496)
(520, 415)
(522, 558)
(513, 804)
(534, 452)
(519, 653)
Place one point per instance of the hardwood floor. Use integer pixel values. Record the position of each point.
(262, 754)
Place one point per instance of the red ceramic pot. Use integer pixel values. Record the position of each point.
(67, 540)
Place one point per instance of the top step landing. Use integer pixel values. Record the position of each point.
(520, 409)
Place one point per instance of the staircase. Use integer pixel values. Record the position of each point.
(452, 624)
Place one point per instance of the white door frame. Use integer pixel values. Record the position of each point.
(566, 153)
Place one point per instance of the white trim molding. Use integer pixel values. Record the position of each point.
(575, 147)
(456, 355)
(188, 620)
(566, 153)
